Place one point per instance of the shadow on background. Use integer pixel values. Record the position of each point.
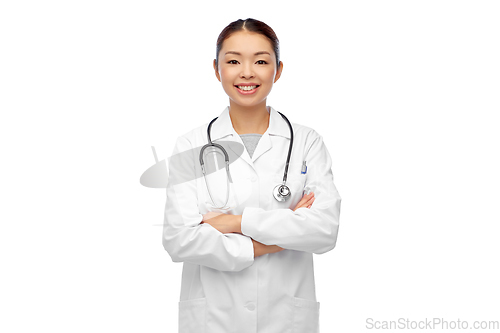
(181, 165)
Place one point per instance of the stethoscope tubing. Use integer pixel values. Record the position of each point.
(285, 174)
(226, 157)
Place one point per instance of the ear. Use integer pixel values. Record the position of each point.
(278, 72)
(216, 72)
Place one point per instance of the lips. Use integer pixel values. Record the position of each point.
(247, 84)
(245, 91)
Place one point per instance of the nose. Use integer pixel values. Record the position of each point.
(247, 71)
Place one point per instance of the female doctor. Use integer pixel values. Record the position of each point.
(248, 257)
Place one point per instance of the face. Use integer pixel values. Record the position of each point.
(247, 68)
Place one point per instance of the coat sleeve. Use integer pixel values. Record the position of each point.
(184, 238)
(312, 229)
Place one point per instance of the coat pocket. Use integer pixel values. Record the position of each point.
(192, 315)
(305, 316)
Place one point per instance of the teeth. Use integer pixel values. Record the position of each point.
(247, 87)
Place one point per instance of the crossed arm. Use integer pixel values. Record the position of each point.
(223, 241)
(226, 223)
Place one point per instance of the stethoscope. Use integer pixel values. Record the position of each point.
(281, 192)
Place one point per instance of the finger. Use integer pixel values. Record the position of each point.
(300, 206)
(301, 203)
(310, 201)
(304, 199)
(305, 204)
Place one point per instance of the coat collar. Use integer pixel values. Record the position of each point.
(223, 129)
(223, 126)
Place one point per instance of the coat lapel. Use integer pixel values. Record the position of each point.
(223, 130)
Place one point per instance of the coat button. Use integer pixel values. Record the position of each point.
(253, 179)
(250, 306)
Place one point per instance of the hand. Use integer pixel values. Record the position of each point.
(261, 249)
(306, 201)
(225, 223)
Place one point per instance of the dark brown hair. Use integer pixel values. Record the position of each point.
(251, 25)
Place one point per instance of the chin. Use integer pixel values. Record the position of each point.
(246, 104)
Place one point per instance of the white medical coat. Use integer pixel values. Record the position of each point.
(224, 289)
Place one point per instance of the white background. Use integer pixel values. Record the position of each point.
(405, 93)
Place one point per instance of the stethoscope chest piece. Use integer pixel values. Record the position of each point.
(281, 193)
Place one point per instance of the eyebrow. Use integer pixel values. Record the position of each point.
(257, 53)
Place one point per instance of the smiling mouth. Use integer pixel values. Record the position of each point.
(247, 88)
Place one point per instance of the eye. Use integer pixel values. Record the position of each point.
(231, 62)
(264, 62)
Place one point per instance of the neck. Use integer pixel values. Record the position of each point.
(246, 120)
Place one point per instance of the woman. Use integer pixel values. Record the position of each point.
(248, 264)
